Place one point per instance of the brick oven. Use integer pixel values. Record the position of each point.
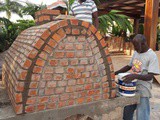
(56, 65)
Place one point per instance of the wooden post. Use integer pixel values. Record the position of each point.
(136, 26)
(150, 22)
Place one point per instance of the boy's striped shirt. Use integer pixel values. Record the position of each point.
(84, 10)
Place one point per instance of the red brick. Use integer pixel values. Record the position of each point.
(47, 49)
(85, 24)
(89, 99)
(48, 69)
(103, 43)
(88, 86)
(61, 46)
(33, 53)
(52, 43)
(53, 62)
(37, 69)
(109, 59)
(89, 53)
(97, 85)
(79, 54)
(63, 62)
(64, 97)
(42, 84)
(74, 21)
(70, 70)
(83, 94)
(61, 104)
(84, 31)
(59, 90)
(62, 83)
(51, 105)
(56, 37)
(69, 46)
(18, 108)
(113, 76)
(35, 77)
(113, 93)
(45, 35)
(85, 74)
(73, 61)
(70, 88)
(46, 17)
(71, 38)
(23, 75)
(80, 81)
(27, 64)
(79, 46)
(61, 33)
(31, 100)
(106, 52)
(40, 62)
(98, 97)
(90, 92)
(98, 35)
(43, 55)
(20, 86)
(97, 91)
(93, 29)
(18, 97)
(49, 91)
(47, 76)
(57, 77)
(59, 70)
(105, 84)
(39, 44)
(79, 87)
(41, 107)
(71, 82)
(54, 27)
(54, 98)
(113, 84)
(63, 23)
(70, 54)
(51, 84)
(68, 30)
(29, 109)
(32, 92)
(80, 100)
(111, 67)
(105, 90)
(77, 75)
(43, 99)
(59, 54)
(104, 79)
(71, 102)
(75, 31)
(33, 85)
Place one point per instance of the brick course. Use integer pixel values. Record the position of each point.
(54, 65)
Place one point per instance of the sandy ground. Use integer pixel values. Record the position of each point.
(122, 60)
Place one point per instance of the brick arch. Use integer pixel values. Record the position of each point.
(35, 48)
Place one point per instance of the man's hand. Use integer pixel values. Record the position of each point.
(129, 78)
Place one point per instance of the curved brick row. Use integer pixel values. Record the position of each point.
(58, 64)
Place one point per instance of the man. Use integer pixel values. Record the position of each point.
(84, 10)
(143, 66)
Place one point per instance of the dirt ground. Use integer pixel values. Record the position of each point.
(122, 60)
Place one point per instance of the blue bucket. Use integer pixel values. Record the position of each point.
(126, 89)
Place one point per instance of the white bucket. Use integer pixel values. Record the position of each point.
(126, 89)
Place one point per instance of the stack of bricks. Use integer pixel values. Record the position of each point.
(45, 16)
(56, 65)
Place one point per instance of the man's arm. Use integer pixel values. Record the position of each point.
(96, 21)
(130, 77)
(124, 69)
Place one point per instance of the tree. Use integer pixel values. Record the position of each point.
(9, 7)
(31, 9)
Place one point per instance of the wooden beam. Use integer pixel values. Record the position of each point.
(150, 22)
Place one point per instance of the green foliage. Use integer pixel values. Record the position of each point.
(115, 21)
(9, 31)
(31, 8)
(11, 6)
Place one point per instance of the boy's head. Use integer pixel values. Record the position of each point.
(139, 43)
(82, 0)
